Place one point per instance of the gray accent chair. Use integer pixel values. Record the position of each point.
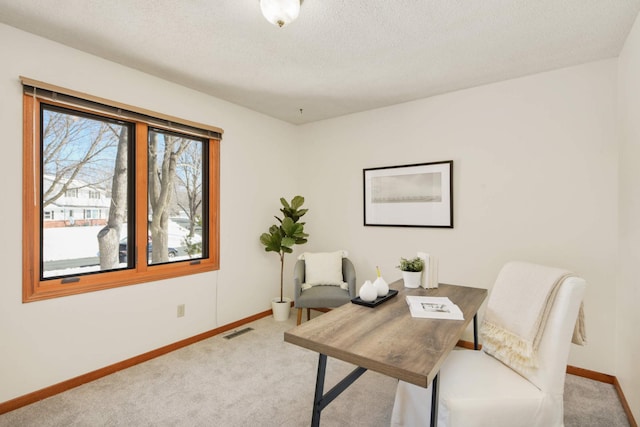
(322, 297)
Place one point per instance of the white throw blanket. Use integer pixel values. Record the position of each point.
(513, 325)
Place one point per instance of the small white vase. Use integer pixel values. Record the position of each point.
(411, 278)
(382, 288)
(281, 310)
(368, 292)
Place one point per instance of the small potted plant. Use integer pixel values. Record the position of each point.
(280, 239)
(411, 271)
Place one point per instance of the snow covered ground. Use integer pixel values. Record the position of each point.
(81, 243)
(70, 243)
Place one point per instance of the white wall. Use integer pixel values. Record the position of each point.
(43, 343)
(535, 179)
(628, 315)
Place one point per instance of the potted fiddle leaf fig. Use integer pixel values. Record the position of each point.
(411, 271)
(281, 238)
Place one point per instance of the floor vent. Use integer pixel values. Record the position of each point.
(237, 333)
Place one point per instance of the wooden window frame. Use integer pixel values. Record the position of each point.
(35, 289)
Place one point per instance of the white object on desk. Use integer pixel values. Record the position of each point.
(433, 308)
(382, 288)
(368, 292)
(430, 271)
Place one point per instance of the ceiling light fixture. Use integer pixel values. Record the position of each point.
(280, 12)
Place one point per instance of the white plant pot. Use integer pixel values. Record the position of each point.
(281, 310)
(411, 278)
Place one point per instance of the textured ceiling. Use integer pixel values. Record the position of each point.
(339, 56)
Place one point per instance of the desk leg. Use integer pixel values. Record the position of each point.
(475, 331)
(320, 401)
(322, 367)
(435, 397)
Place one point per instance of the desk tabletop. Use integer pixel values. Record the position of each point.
(386, 339)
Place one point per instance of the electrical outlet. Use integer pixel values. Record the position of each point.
(181, 310)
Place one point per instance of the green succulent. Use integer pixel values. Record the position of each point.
(415, 264)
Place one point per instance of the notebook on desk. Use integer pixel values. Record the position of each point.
(433, 308)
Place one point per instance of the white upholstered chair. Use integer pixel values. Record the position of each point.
(478, 390)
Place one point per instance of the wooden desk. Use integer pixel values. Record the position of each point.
(386, 339)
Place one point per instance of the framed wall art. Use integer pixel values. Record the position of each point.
(418, 195)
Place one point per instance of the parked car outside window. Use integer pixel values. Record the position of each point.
(122, 252)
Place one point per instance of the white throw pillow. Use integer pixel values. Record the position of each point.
(323, 268)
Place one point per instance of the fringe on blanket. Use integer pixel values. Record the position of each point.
(508, 347)
(517, 352)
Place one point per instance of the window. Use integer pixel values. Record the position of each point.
(147, 189)
(91, 213)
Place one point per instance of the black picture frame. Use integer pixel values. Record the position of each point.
(415, 195)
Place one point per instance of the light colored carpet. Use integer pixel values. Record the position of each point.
(254, 379)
